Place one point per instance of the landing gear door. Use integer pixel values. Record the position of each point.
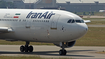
(54, 21)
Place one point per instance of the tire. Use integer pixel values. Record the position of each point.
(26, 48)
(64, 52)
(60, 52)
(22, 48)
(30, 48)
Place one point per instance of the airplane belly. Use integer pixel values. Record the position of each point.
(43, 34)
(22, 33)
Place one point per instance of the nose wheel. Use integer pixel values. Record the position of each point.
(62, 51)
(26, 48)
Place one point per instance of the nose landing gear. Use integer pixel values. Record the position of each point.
(62, 51)
(26, 48)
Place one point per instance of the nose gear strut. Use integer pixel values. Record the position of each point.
(62, 51)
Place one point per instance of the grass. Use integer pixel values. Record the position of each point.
(99, 13)
(94, 37)
(30, 57)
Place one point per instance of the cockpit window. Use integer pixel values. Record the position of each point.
(78, 21)
(82, 21)
(75, 21)
(71, 21)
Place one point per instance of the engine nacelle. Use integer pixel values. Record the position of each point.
(66, 44)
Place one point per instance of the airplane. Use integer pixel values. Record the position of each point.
(62, 28)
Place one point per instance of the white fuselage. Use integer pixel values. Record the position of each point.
(41, 25)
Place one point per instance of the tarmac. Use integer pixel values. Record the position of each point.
(76, 52)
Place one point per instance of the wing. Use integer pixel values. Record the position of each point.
(87, 21)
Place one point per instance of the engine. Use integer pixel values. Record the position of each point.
(66, 44)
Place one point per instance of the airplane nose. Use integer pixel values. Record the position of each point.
(79, 30)
(83, 29)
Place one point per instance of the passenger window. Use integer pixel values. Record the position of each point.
(33, 20)
(46, 20)
(20, 20)
(16, 20)
(40, 20)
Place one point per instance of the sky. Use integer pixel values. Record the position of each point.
(72, 1)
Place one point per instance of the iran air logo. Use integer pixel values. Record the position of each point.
(8, 15)
(45, 15)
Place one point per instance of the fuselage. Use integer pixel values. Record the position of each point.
(39, 25)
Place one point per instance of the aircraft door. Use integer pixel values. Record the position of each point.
(54, 21)
(28, 23)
